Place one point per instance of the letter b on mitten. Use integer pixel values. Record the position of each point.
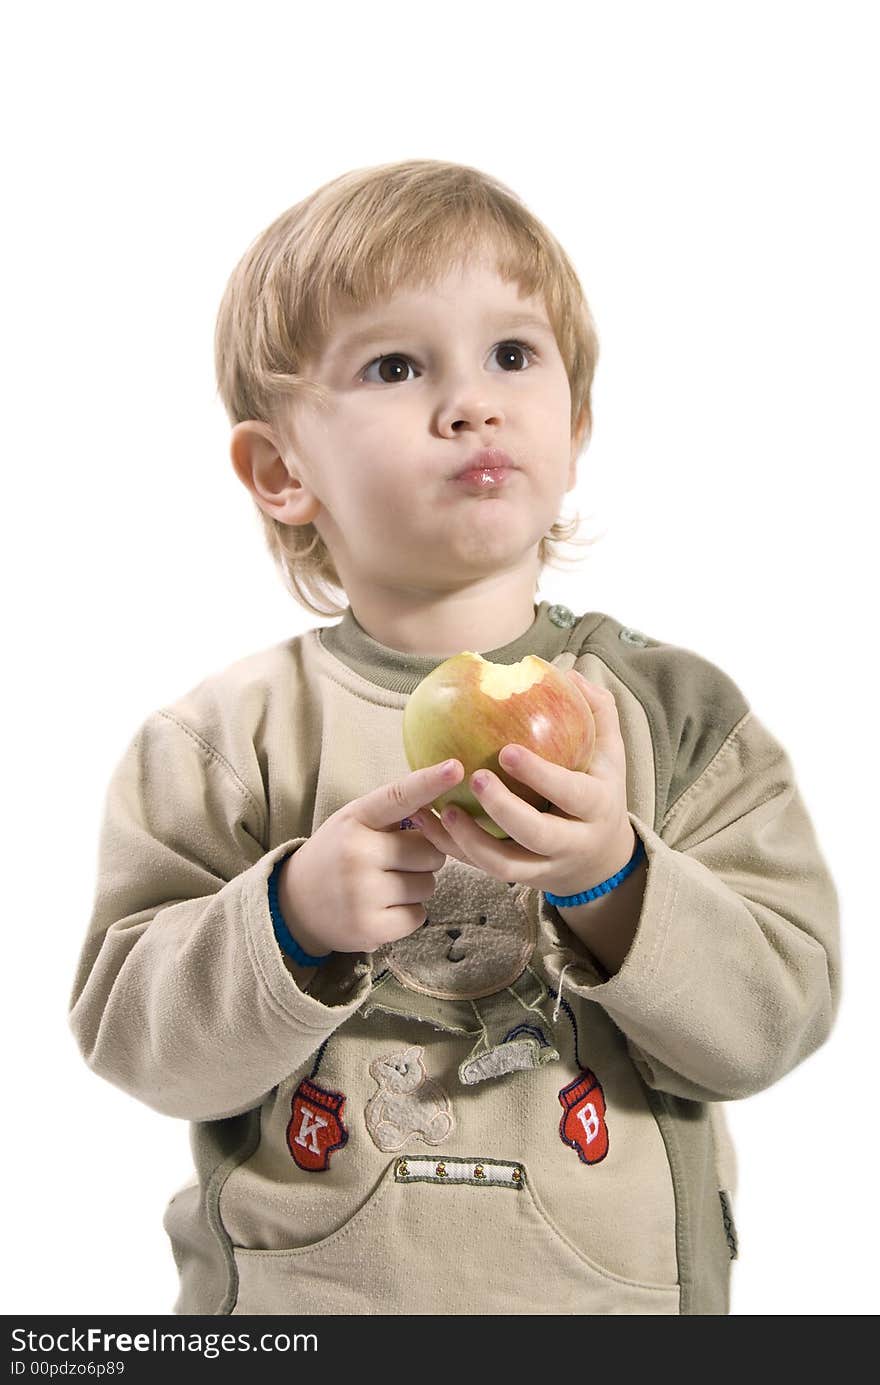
(583, 1120)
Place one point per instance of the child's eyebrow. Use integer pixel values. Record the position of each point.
(375, 331)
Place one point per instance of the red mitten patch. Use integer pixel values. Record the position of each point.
(316, 1126)
(583, 1120)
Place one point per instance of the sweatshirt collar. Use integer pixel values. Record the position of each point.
(548, 636)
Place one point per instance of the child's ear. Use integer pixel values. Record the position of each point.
(272, 479)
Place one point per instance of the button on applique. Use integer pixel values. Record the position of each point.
(562, 616)
(633, 637)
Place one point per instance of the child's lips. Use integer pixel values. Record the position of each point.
(488, 459)
(483, 479)
(485, 472)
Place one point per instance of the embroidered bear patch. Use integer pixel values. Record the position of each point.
(409, 1104)
(477, 938)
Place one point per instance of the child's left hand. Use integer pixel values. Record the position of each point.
(584, 836)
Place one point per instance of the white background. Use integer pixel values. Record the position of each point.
(711, 170)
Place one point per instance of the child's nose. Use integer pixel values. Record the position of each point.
(453, 933)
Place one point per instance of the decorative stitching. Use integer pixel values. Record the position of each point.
(555, 1015)
(477, 1173)
(212, 754)
(675, 809)
(318, 1058)
(367, 1210)
(213, 1191)
(568, 1010)
(585, 1259)
(529, 1029)
(729, 1227)
(650, 999)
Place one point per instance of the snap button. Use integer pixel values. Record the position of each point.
(562, 616)
(634, 637)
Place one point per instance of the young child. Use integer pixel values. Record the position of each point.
(430, 1070)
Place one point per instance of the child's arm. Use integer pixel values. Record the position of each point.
(182, 996)
(732, 976)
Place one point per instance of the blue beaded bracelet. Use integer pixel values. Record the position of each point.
(283, 936)
(568, 901)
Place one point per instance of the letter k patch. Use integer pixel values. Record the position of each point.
(316, 1127)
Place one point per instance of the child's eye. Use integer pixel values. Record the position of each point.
(508, 348)
(395, 375)
(400, 363)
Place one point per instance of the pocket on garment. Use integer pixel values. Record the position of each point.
(451, 1236)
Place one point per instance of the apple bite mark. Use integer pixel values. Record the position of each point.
(503, 680)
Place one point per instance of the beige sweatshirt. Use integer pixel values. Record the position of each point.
(435, 1128)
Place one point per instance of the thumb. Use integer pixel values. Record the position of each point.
(385, 806)
(609, 742)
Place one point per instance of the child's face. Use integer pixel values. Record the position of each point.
(437, 377)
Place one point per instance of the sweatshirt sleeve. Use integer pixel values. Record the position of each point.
(182, 996)
(732, 978)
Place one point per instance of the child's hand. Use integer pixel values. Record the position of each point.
(582, 839)
(360, 881)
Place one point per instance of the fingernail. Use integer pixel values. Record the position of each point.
(449, 766)
(510, 757)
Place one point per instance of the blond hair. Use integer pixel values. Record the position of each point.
(362, 237)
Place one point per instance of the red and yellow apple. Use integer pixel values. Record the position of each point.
(469, 709)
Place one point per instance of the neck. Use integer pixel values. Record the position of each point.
(483, 615)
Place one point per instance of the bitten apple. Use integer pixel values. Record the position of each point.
(469, 709)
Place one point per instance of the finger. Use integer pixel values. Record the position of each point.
(609, 749)
(506, 860)
(409, 851)
(405, 919)
(387, 805)
(574, 792)
(432, 828)
(539, 832)
(411, 889)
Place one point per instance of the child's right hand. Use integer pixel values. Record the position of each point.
(360, 881)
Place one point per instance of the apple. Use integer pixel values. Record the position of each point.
(469, 709)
